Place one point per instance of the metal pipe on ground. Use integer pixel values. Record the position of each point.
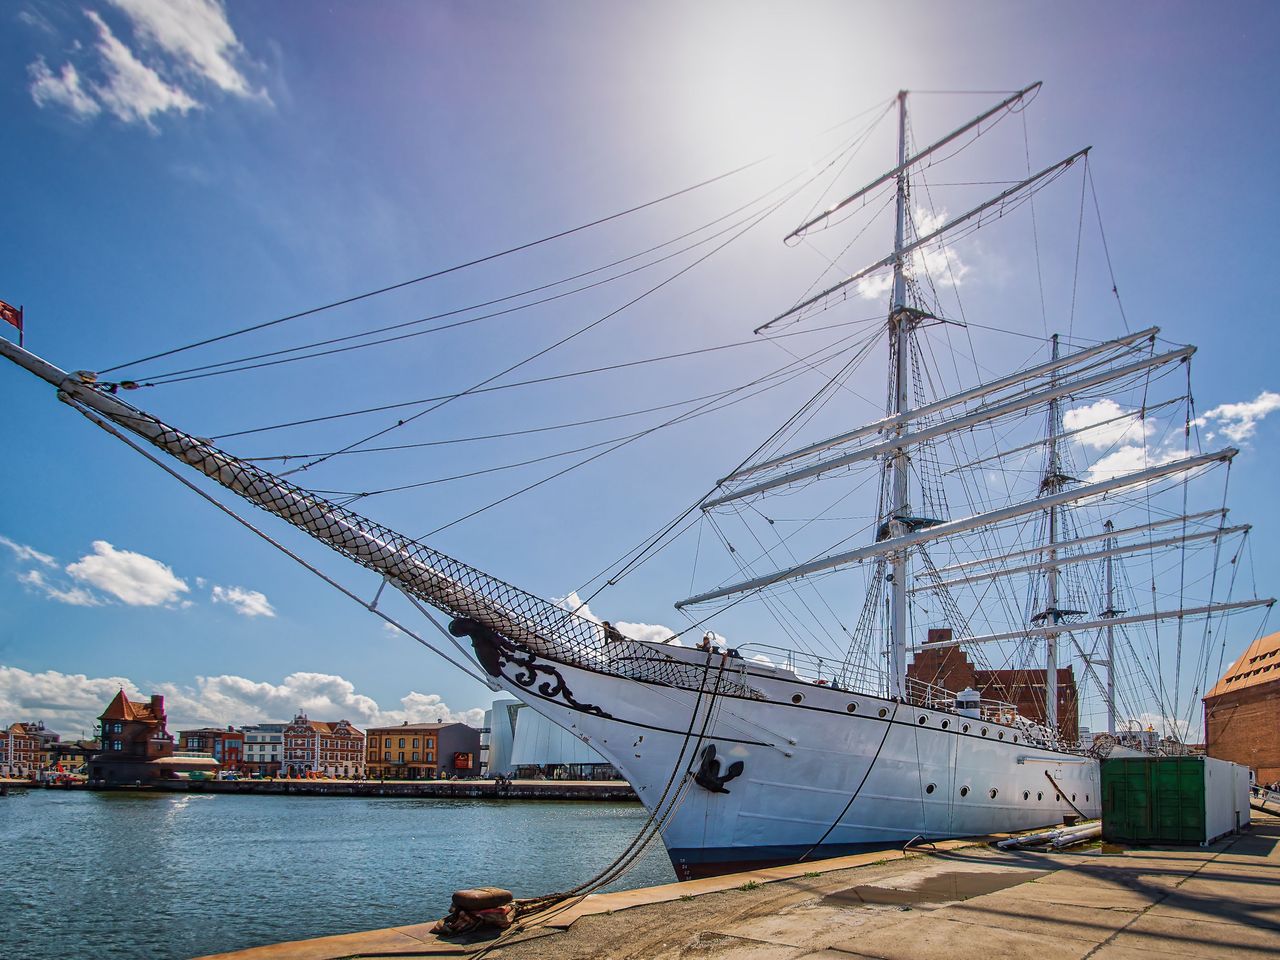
(1078, 836)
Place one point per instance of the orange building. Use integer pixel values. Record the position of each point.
(404, 752)
(1242, 711)
(324, 749)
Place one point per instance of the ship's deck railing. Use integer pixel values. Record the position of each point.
(824, 671)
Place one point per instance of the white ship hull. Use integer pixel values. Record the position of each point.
(831, 774)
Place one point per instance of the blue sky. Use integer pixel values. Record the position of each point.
(177, 170)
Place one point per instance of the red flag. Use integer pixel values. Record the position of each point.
(11, 314)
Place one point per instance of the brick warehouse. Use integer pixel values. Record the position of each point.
(1242, 711)
(951, 669)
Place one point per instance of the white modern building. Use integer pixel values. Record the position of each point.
(523, 743)
(263, 748)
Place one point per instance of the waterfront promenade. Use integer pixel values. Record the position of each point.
(961, 899)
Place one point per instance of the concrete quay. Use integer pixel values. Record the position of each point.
(961, 899)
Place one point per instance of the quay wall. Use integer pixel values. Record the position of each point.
(450, 789)
(601, 790)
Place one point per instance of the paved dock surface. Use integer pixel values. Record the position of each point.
(960, 901)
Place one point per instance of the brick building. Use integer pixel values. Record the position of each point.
(133, 737)
(328, 749)
(1242, 711)
(225, 745)
(22, 749)
(423, 751)
(951, 669)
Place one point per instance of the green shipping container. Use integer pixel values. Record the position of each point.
(1171, 799)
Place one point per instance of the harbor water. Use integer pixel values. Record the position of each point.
(180, 875)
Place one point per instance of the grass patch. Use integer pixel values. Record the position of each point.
(811, 875)
(686, 897)
(750, 885)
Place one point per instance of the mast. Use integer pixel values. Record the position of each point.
(1052, 482)
(899, 328)
(1110, 613)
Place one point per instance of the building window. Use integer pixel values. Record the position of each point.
(415, 758)
(402, 741)
(415, 741)
(116, 744)
(430, 757)
(387, 756)
(117, 728)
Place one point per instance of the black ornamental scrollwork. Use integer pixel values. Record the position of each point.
(494, 651)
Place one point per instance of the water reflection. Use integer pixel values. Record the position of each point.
(177, 875)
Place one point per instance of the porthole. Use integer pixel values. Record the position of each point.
(1057, 798)
(924, 720)
(1015, 738)
(1086, 798)
(993, 791)
(1000, 734)
(1039, 795)
(945, 724)
(852, 708)
(1026, 794)
(930, 788)
(965, 728)
(1073, 798)
(797, 698)
(984, 731)
(964, 791)
(884, 712)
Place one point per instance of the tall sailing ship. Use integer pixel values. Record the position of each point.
(991, 561)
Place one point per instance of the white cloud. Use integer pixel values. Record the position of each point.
(71, 703)
(429, 708)
(134, 92)
(36, 21)
(573, 603)
(62, 90)
(197, 37)
(651, 632)
(231, 699)
(25, 554)
(180, 48)
(1239, 420)
(1116, 425)
(1132, 457)
(130, 577)
(75, 596)
(936, 260)
(248, 603)
(68, 703)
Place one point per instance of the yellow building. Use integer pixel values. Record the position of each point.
(404, 752)
(422, 751)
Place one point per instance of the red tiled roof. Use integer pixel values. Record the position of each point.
(121, 708)
(1260, 664)
(327, 729)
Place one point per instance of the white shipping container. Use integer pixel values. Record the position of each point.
(1226, 798)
